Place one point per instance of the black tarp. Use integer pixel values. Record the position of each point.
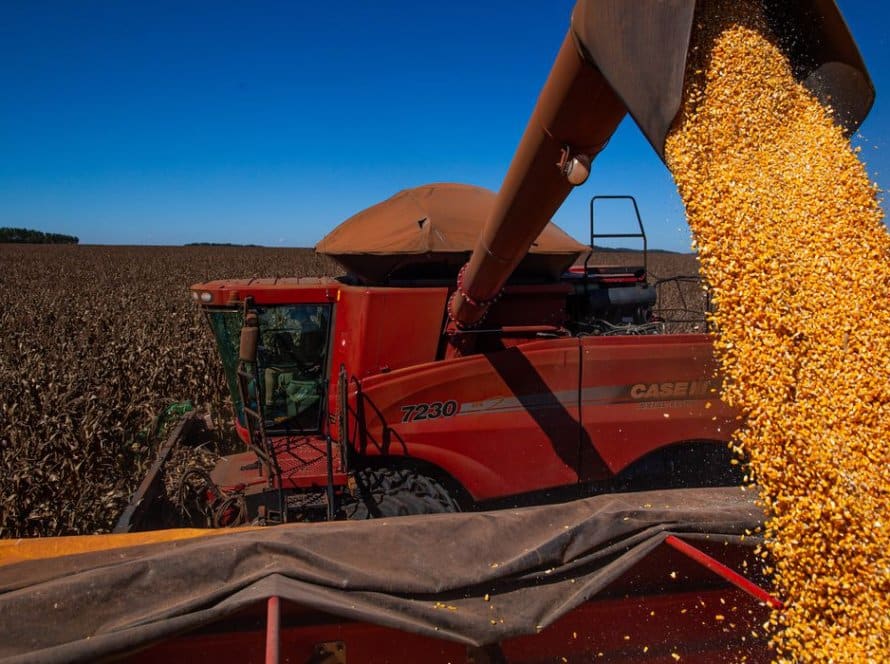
(535, 563)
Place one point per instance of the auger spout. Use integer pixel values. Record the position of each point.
(623, 58)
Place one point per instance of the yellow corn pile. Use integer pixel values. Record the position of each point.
(790, 236)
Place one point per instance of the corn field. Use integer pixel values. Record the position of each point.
(95, 342)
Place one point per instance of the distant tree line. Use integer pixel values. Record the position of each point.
(28, 236)
(220, 244)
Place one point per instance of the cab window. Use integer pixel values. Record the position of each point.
(291, 359)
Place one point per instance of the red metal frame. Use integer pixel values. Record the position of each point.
(723, 571)
(547, 413)
(273, 630)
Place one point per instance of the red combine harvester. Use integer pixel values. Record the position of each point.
(425, 382)
(465, 361)
(367, 395)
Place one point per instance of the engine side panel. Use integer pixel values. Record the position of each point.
(500, 423)
(546, 413)
(378, 330)
(642, 393)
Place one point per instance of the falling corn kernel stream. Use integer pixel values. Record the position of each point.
(790, 236)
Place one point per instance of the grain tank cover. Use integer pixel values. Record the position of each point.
(429, 232)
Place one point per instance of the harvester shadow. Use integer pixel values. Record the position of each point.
(568, 438)
(366, 438)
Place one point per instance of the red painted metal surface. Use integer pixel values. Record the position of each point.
(537, 304)
(273, 630)
(723, 571)
(304, 460)
(499, 423)
(384, 329)
(517, 425)
(280, 290)
(643, 393)
(708, 626)
(303, 464)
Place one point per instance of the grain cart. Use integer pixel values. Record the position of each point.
(615, 578)
(468, 358)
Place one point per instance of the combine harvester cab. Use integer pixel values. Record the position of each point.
(368, 396)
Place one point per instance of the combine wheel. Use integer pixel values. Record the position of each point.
(397, 492)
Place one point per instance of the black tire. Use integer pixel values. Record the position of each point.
(386, 492)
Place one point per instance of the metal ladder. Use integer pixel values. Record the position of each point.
(254, 420)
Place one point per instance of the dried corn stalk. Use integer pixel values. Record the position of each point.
(94, 342)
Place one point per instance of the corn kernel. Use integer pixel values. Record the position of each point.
(792, 245)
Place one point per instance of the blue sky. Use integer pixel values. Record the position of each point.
(271, 122)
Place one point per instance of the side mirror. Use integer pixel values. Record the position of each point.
(250, 334)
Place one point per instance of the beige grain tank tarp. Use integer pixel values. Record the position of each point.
(429, 232)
